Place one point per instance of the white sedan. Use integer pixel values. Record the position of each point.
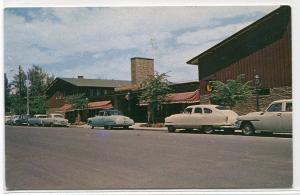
(203, 117)
(276, 118)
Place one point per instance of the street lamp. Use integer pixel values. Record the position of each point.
(257, 86)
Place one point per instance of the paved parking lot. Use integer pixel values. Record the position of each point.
(78, 158)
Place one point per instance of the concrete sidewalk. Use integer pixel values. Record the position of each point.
(136, 126)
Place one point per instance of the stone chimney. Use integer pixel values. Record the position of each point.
(141, 68)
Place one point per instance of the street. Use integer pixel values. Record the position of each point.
(76, 158)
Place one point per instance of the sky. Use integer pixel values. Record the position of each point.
(98, 42)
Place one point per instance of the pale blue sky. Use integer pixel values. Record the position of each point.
(99, 42)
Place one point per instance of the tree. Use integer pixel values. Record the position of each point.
(78, 102)
(231, 92)
(40, 80)
(155, 91)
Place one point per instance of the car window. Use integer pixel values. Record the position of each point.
(221, 108)
(58, 116)
(188, 110)
(207, 111)
(198, 110)
(276, 107)
(101, 113)
(289, 107)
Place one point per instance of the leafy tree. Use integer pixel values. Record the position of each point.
(155, 91)
(40, 80)
(231, 92)
(79, 102)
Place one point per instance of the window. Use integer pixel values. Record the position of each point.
(276, 107)
(98, 92)
(198, 110)
(207, 111)
(289, 107)
(101, 113)
(188, 110)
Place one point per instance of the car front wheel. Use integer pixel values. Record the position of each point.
(171, 129)
(247, 129)
(208, 129)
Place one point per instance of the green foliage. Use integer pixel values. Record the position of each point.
(40, 80)
(231, 92)
(78, 101)
(155, 90)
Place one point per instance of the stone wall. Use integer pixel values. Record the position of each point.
(249, 105)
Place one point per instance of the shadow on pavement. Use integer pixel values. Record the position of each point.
(224, 133)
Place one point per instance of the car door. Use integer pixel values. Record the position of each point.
(196, 118)
(99, 119)
(271, 119)
(287, 117)
(186, 119)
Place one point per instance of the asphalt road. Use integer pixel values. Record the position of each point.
(72, 158)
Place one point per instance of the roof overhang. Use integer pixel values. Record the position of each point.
(241, 44)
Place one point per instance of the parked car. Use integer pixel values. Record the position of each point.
(55, 120)
(203, 117)
(277, 117)
(37, 120)
(20, 120)
(11, 120)
(110, 119)
(8, 119)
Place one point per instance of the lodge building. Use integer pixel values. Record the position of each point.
(263, 48)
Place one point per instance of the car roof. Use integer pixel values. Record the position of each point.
(204, 105)
(283, 100)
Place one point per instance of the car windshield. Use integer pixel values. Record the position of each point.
(188, 110)
(58, 116)
(221, 108)
(41, 116)
(114, 112)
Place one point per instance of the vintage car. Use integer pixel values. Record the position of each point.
(20, 120)
(276, 118)
(8, 119)
(203, 117)
(37, 120)
(110, 119)
(55, 120)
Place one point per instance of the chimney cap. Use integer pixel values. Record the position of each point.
(140, 58)
(80, 77)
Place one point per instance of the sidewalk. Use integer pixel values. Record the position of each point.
(136, 126)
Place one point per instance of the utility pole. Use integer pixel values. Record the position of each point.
(20, 89)
(28, 84)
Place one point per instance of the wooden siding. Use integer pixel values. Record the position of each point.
(273, 63)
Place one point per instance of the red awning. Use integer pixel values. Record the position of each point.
(91, 105)
(100, 104)
(185, 97)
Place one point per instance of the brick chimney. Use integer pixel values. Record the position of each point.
(141, 68)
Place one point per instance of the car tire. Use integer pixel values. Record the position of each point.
(109, 127)
(92, 127)
(125, 127)
(247, 129)
(171, 129)
(189, 129)
(51, 125)
(208, 129)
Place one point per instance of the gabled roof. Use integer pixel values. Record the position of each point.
(246, 41)
(81, 82)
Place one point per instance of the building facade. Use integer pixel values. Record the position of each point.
(263, 48)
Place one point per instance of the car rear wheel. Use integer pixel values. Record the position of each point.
(171, 129)
(108, 127)
(247, 129)
(208, 129)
